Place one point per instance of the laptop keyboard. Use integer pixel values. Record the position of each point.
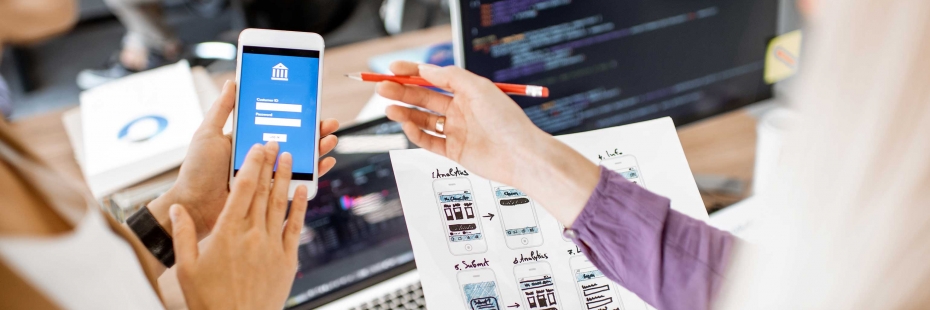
(407, 298)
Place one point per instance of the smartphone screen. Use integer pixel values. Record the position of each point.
(278, 102)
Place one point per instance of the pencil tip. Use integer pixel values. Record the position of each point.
(354, 76)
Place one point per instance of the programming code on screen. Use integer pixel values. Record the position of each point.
(615, 62)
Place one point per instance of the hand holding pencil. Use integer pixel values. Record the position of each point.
(479, 127)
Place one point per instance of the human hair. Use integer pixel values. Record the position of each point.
(847, 223)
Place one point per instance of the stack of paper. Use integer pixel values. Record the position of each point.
(137, 127)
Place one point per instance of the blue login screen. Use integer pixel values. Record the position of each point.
(278, 102)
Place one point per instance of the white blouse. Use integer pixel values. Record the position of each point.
(89, 267)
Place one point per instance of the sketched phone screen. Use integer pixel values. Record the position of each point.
(539, 292)
(278, 102)
(516, 211)
(481, 295)
(459, 212)
(596, 290)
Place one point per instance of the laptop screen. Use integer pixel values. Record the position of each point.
(354, 229)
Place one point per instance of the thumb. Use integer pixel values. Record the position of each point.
(452, 78)
(184, 234)
(216, 117)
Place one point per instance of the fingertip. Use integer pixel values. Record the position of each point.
(333, 123)
(403, 67)
(330, 161)
(229, 90)
(427, 68)
(271, 146)
(389, 90)
(300, 194)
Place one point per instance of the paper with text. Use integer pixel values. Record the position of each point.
(484, 245)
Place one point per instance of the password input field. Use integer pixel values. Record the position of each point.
(279, 107)
(271, 121)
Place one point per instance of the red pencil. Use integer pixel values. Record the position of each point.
(513, 89)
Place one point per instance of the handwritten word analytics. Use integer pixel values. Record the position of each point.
(533, 256)
(453, 172)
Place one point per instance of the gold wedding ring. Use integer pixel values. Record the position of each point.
(441, 124)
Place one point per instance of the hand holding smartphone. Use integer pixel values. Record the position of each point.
(278, 99)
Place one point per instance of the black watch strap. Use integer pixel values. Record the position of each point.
(152, 235)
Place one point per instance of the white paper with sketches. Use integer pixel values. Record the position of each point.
(138, 126)
(469, 259)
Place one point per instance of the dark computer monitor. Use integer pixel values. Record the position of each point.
(610, 63)
(354, 232)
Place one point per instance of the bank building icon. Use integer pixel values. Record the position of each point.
(279, 72)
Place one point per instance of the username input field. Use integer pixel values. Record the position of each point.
(278, 107)
(273, 121)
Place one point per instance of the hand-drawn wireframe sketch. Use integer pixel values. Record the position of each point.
(518, 217)
(537, 287)
(460, 216)
(479, 288)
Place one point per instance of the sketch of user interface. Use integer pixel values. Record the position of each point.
(480, 289)
(518, 217)
(594, 289)
(460, 216)
(626, 166)
(537, 287)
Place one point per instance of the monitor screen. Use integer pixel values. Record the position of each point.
(354, 229)
(610, 63)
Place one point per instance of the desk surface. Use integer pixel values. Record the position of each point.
(722, 145)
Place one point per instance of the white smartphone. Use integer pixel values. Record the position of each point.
(537, 288)
(459, 212)
(594, 289)
(278, 99)
(517, 216)
(626, 166)
(479, 287)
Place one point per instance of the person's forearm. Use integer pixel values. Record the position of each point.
(557, 177)
(668, 259)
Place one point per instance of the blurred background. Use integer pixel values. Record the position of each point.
(42, 76)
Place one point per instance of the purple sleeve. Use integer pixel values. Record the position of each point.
(668, 259)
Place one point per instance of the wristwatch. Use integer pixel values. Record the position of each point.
(152, 235)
